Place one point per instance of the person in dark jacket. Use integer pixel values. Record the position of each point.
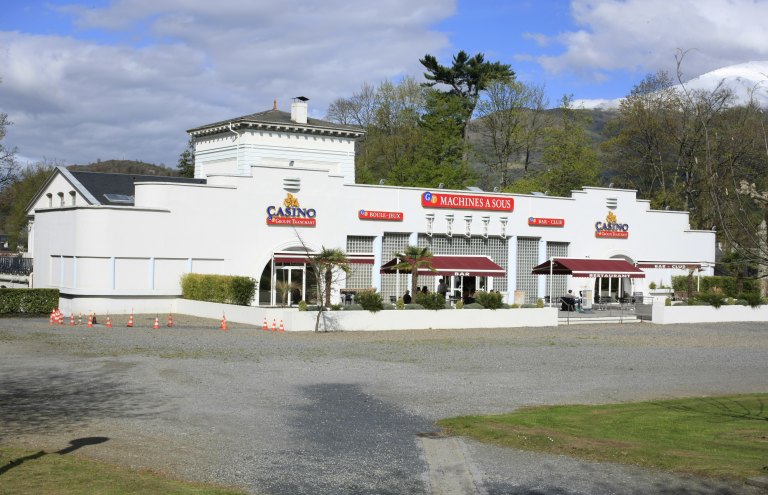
(407, 297)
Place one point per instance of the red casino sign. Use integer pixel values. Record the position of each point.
(467, 202)
(546, 222)
(390, 216)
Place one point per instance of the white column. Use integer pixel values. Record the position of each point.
(511, 268)
(542, 281)
(152, 273)
(378, 243)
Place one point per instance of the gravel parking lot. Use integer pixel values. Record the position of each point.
(339, 413)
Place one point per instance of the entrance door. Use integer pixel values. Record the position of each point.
(290, 284)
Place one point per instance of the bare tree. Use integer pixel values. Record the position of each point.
(510, 126)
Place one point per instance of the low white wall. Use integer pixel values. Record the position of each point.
(667, 315)
(295, 320)
(118, 305)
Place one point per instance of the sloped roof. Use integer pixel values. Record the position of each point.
(106, 187)
(277, 118)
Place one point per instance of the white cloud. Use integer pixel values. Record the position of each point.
(644, 35)
(196, 62)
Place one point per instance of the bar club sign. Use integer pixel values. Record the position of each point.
(390, 216)
(291, 214)
(546, 222)
(467, 202)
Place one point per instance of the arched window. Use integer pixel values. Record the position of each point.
(72, 197)
(50, 200)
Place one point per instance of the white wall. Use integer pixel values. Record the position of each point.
(668, 315)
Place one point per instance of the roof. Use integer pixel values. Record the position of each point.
(278, 119)
(470, 266)
(589, 268)
(120, 189)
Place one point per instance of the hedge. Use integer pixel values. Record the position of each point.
(225, 289)
(726, 284)
(28, 301)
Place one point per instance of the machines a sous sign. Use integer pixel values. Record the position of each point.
(466, 202)
(611, 228)
(291, 214)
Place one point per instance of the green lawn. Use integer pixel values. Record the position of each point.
(723, 437)
(24, 471)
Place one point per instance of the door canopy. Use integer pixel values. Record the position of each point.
(447, 266)
(589, 268)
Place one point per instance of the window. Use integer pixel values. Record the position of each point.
(72, 198)
(61, 199)
(50, 200)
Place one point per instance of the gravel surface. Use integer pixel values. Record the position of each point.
(338, 413)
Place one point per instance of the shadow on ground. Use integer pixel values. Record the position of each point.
(49, 400)
(353, 443)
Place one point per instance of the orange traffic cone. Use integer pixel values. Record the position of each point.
(130, 321)
(156, 324)
(109, 322)
(59, 317)
(224, 326)
(265, 326)
(90, 321)
(170, 320)
(282, 328)
(274, 325)
(52, 318)
(80, 319)
(71, 319)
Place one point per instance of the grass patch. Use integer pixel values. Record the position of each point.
(26, 471)
(721, 437)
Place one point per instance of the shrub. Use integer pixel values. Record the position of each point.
(726, 284)
(652, 285)
(532, 305)
(414, 306)
(514, 306)
(459, 304)
(752, 298)
(430, 300)
(474, 306)
(539, 303)
(715, 299)
(388, 306)
(370, 300)
(225, 289)
(667, 302)
(400, 303)
(353, 307)
(28, 301)
(489, 300)
(335, 307)
(302, 305)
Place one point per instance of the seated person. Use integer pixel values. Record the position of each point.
(569, 302)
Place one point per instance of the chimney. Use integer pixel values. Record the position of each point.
(299, 109)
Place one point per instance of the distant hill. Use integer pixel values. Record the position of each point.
(126, 167)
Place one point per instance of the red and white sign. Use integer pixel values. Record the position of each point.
(612, 234)
(676, 266)
(467, 202)
(291, 221)
(390, 216)
(546, 222)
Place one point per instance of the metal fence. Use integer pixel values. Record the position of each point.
(14, 265)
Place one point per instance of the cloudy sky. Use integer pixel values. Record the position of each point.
(125, 78)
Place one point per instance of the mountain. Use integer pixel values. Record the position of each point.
(125, 167)
(749, 78)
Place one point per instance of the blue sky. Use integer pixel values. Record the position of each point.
(125, 78)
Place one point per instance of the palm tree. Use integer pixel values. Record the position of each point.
(410, 260)
(325, 262)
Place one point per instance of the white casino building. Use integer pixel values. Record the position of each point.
(270, 184)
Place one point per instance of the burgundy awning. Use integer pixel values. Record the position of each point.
(302, 258)
(589, 268)
(446, 266)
